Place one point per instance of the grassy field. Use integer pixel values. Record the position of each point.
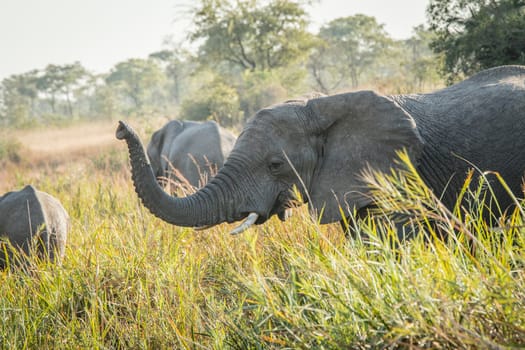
(131, 281)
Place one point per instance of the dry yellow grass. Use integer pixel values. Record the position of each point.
(58, 150)
(129, 280)
(69, 139)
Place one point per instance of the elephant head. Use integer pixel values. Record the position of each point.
(320, 146)
(157, 144)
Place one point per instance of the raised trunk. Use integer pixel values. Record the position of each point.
(199, 209)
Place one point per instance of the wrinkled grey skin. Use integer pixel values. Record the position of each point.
(196, 149)
(32, 221)
(330, 141)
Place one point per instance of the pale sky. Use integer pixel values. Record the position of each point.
(101, 33)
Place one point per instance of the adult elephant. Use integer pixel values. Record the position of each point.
(328, 141)
(189, 151)
(32, 221)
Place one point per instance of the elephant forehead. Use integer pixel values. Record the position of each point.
(272, 134)
(261, 147)
(275, 124)
(282, 112)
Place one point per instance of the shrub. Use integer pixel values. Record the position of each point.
(10, 150)
(261, 89)
(218, 102)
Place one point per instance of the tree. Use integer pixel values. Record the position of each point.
(252, 34)
(102, 101)
(137, 79)
(217, 101)
(263, 88)
(61, 80)
(477, 34)
(18, 94)
(420, 64)
(347, 47)
(175, 67)
(324, 66)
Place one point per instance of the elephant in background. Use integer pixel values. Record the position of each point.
(189, 151)
(32, 221)
(323, 145)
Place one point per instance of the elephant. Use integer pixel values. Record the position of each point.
(32, 221)
(321, 146)
(195, 150)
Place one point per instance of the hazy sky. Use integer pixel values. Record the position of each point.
(101, 33)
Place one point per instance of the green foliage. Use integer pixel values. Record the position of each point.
(25, 95)
(176, 69)
(421, 64)
(410, 65)
(348, 47)
(474, 35)
(138, 80)
(253, 34)
(60, 80)
(19, 93)
(216, 101)
(131, 281)
(261, 89)
(105, 102)
(260, 50)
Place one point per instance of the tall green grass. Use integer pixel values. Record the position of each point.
(131, 281)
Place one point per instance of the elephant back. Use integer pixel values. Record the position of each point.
(468, 125)
(32, 221)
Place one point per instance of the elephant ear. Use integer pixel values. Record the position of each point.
(154, 150)
(157, 143)
(361, 130)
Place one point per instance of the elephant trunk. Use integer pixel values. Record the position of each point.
(199, 209)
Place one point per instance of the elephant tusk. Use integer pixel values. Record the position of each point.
(250, 220)
(285, 215)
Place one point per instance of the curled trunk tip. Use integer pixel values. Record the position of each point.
(124, 131)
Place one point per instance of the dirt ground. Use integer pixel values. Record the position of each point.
(67, 140)
(58, 149)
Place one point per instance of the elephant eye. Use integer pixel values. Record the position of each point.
(275, 165)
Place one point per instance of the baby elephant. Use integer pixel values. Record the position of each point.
(31, 221)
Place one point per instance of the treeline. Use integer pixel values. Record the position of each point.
(252, 53)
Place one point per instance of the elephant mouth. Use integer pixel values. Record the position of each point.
(282, 212)
(282, 206)
(286, 200)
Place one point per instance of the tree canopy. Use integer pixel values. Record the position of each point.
(477, 34)
(61, 80)
(243, 55)
(347, 47)
(136, 79)
(252, 34)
